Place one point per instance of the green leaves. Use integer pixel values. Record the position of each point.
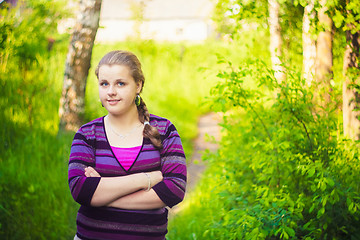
(299, 183)
(338, 19)
(292, 174)
(345, 15)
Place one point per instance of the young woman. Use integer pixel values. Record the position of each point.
(127, 166)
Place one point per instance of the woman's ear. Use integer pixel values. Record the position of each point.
(139, 88)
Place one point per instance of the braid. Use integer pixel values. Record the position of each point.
(149, 131)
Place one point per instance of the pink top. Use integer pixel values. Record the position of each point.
(126, 156)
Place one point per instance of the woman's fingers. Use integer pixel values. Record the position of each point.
(91, 172)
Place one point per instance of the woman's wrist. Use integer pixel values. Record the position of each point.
(148, 186)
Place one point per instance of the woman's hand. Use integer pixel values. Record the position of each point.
(155, 176)
(91, 172)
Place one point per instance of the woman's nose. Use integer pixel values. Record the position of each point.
(111, 91)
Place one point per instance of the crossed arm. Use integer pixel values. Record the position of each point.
(126, 192)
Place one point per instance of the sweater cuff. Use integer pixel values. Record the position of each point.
(88, 190)
(164, 193)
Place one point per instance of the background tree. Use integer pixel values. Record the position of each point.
(309, 43)
(77, 67)
(347, 17)
(275, 40)
(351, 97)
(324, 56)
(278, 18)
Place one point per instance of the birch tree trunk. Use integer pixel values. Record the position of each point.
(324, 57)
(77, 65)
(275, 40)
(351, 96)
(309, 44)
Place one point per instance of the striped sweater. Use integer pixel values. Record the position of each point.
(90, 147)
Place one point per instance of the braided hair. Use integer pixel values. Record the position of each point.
(129, 59)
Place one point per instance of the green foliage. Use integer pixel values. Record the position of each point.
(234, 17)
(231, 16)
(345, 14)
(282, 172)
(25, 32)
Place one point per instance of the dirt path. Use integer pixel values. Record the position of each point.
(208, 129)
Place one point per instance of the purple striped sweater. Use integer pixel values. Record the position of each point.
(90, 147)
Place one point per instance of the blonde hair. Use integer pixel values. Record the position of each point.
(129, 59)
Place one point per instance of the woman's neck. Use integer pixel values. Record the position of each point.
(124, 121)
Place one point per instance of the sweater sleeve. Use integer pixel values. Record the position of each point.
(81, 156)
(173, 166)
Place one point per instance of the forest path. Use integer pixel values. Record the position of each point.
(209, 129)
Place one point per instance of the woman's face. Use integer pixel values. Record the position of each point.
(117, 89)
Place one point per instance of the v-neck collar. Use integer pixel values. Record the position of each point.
(114, 156)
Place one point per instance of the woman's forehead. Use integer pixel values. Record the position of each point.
(114, 70)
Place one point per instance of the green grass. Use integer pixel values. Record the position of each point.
(35, 200)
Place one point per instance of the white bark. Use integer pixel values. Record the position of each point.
(309, 44)
(275, 40)
(72, 102)
(324, 56)
(351, 97)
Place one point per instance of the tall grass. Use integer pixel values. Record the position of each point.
(35, 201)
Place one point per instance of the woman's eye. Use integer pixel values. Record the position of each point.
(103, 84)
(121, 83)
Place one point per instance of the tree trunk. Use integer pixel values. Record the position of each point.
(324, 57)
(275, 40)
(351, 96)
(309, 44)
(72, 102)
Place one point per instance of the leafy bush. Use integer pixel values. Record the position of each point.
(282, 172)
(25, 34)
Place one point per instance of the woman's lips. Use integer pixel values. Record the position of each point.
(113, 102)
